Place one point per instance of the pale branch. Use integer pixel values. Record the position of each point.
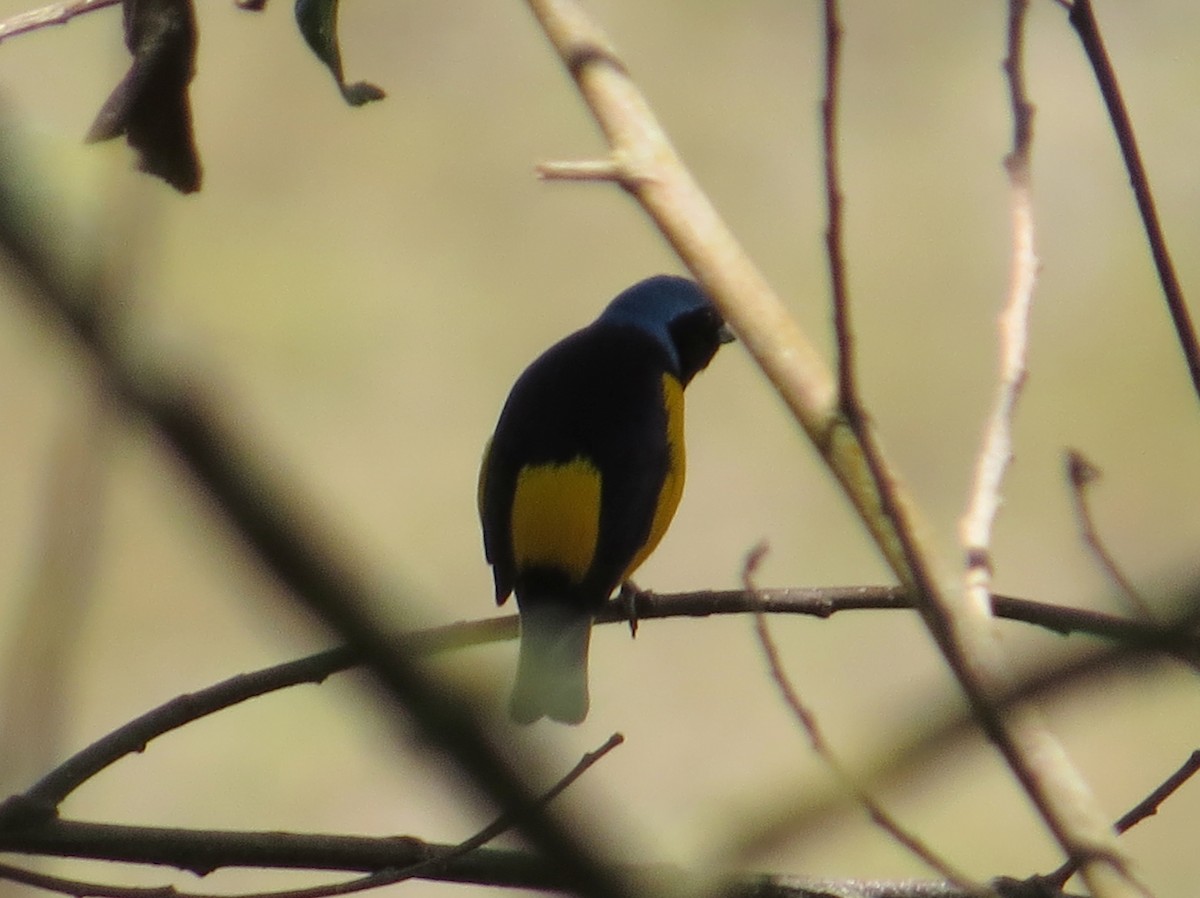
(643, 161)
(54, 14)
(1081, 474)
(996, 453)
(656, 177)
(823, 750)
(661, 183)
(580, 170)
(1054, 784)
(962, 626)
(1083, 20)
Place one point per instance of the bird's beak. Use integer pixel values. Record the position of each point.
(725, 335)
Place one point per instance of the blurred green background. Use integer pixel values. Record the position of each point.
(362, 286)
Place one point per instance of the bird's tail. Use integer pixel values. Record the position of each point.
(552, 666)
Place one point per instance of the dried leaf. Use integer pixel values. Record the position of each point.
(318, 23)
(150, 106)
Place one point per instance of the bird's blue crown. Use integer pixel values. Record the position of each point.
(651, 305)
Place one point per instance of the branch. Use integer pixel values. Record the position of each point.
(848, 394)
(808, 722)
(1056, 787)
(789, 814)
(1083, 20)
(43, 798)
(963, 628)
(54, 14)
(202, 851)
(997, 451)
(1081, 474)
(1145, 808)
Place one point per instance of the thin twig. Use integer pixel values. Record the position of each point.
(496, 828)
(435, 859)
(1057, 788)
(526, 871)
(1147, 807)
(808, 722)
(847, 387)
(996, 453)
(929, 728)
(1081, 474)
(580, 170)
(54, 14)
(826, 601)
(44, 796)
(204, 851)
(963, 631)
(1083, 20)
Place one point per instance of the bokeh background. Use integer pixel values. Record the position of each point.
(362, 286)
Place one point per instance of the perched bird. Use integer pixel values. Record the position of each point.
(584, 473)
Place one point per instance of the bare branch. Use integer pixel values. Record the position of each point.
(808, 722)
(996, 453)
(483, 866)
(1147, 807)
(582, 170)
(1056, 787)
(848, 395)
(1083, 20)
(963, 629)
(54, 14)
(1081, 474)
(41, 799)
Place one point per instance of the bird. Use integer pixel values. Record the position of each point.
(583, 474)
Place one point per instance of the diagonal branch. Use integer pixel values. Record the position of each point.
(54, 14)
(820, 746)
(1147, 807)
(1081, 474)
(1083, 20)
(649, 168)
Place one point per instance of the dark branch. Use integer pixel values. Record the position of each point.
(1147, 807)
(1081, 474)
(196, 850)
(43, 798)
(1083, 20)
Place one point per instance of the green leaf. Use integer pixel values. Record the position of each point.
(150, 106)
(318, 23)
